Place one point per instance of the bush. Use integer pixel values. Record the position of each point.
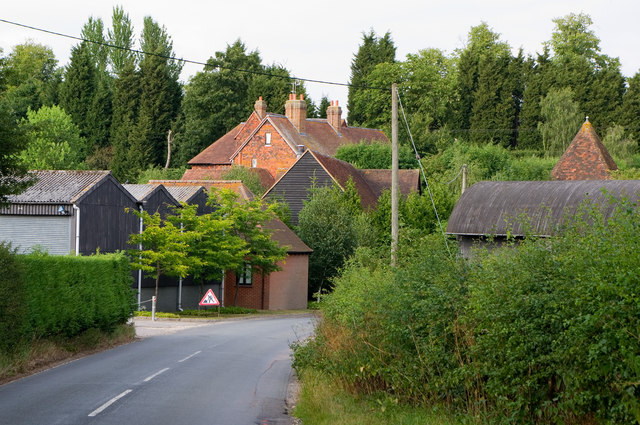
(14, 322)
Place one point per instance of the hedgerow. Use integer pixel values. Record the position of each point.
(544, 331)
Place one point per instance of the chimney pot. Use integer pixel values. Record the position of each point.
(334, 116)
(296, 111)
(260, 107)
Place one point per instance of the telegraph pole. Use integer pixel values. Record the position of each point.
(394, 173)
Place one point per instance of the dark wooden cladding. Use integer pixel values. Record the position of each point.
(496, 208)
(294, 186)
(104, 224)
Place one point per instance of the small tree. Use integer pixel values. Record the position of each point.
(161, 247)
(248, 221)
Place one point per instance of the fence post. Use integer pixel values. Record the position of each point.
(153, 308)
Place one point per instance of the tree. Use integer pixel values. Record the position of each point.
(53, 140)
(211, 248)
(538, 75)
(629, 111)
(78, 90)
(161, 248)
(31, 77)
(375, 155)
(160, 96)
(561, 120)
(120, 35)
(13, 172)
(126, 97)
(248, 177)
(248, 221)
(326, 225)
(373, 51)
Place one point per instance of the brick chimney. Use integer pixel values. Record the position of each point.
(261, 107)
(334, 116)
(296, 111)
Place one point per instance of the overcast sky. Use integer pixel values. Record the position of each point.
(317, 40)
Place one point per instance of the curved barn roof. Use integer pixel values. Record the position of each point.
(494, 207)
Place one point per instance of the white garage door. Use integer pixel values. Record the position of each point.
(52, 234)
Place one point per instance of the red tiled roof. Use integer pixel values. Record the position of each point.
(341, 171)
(586, 158)
(220, 151)
(380, 180)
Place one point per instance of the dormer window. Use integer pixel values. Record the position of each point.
(267, 139)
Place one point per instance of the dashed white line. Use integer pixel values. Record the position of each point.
(109, 403)
(149, 378)
(188, 357)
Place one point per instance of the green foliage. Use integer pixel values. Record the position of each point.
(126, 98)
(159, 173)
(250, 179)
(12, 140)
(560, 120)
(326, 225)
(373, 51)
(76, 293)
(619, 145)
(14, 318)
(214, 311)
(540, 331)
(53, 140)
(375, 155)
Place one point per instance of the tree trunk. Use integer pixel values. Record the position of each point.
(235, 298)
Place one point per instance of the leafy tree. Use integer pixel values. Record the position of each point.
(31, 77)
(93, 30)
(372, 51)
(13, 171)
(561, 120)
(223, 95)
(163, 251)
(326, 225)
(539, 76)
(248, 221)
(211, 248)
(53, 140)
(618, 144)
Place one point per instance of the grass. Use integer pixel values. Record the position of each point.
(213, 313)
(45, 353)
(324, 401)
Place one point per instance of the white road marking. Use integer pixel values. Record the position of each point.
(109, 403)
(149, 378)
(188, 357)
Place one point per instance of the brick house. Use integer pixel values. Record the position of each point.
(273, 142)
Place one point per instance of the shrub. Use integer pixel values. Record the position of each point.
(14, 323)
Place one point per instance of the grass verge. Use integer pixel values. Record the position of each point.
(43, 354)
(323, 401)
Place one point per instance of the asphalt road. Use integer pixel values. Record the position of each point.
(234, 372)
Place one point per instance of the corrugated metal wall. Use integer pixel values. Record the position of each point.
(52, 233)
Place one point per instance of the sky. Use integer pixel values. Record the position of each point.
(317, 40)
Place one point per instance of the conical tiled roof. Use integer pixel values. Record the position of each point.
(586, 158)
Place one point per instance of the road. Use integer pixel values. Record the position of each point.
(233, 372)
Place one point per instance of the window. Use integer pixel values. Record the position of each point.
(267, 139)
(254, 162)
(245, 275)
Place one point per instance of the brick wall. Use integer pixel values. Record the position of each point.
(276, 157)
(249, 296)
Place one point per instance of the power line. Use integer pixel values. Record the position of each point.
(141, 52)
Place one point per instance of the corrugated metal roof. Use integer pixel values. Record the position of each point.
(59, 186)
(494, 207)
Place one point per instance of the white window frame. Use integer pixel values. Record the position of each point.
(267, 139)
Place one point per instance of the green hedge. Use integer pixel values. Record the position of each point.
(14, 324)
(67, 295)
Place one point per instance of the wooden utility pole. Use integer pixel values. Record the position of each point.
(464, 178)
(394, 173)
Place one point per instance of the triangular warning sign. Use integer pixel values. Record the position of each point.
(209, 299)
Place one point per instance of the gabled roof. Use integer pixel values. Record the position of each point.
(61, 186)
(286, 237)
(586, 158)
(319, 136)
(143, 192)
(184, 193)
(236, 185)
(341, 171)
(494, 207)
